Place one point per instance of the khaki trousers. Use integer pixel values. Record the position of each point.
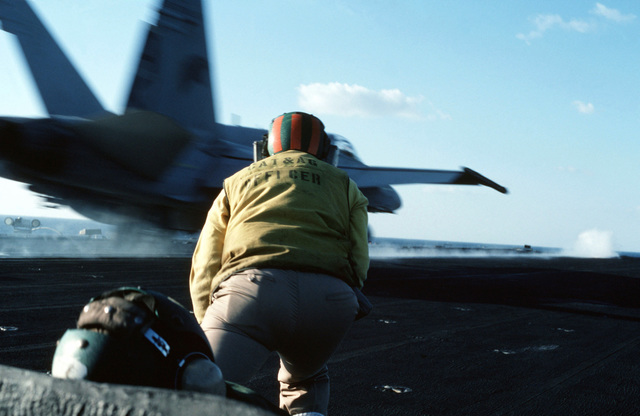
(301, 316)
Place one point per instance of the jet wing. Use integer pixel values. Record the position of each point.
(371, 176)
(62, 89)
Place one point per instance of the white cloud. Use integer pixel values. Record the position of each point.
(435, 114)
(577, 25)
(584, 108)
(611, 14)
(354, 100)
(545, 22)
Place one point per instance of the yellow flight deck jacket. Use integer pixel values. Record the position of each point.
(288, 211)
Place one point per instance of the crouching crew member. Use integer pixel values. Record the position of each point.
(282, 248)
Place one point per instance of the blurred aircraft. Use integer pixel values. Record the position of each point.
(162, 161)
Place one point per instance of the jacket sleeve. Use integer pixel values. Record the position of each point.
(358, 221)
(207, 256)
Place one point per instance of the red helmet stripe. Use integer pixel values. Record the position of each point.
(296, 131)
(275, 131)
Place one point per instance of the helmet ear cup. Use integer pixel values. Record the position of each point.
(265, 145)
(131, 336)
(85, 354)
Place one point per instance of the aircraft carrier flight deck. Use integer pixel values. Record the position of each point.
(518, 335)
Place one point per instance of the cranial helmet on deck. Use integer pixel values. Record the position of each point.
(138, 337)
(297, 131)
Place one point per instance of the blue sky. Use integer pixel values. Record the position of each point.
(542, 97)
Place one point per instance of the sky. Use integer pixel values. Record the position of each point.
(541, 97)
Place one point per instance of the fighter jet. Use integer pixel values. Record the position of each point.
(163, 160)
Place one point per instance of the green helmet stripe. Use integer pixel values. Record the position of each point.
(285, 132)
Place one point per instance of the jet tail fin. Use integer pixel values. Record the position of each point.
(173, 74)
(61, 87)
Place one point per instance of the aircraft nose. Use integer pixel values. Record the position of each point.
(383, 198)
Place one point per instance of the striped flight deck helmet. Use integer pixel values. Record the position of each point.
(297, 131)
(133, 336)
